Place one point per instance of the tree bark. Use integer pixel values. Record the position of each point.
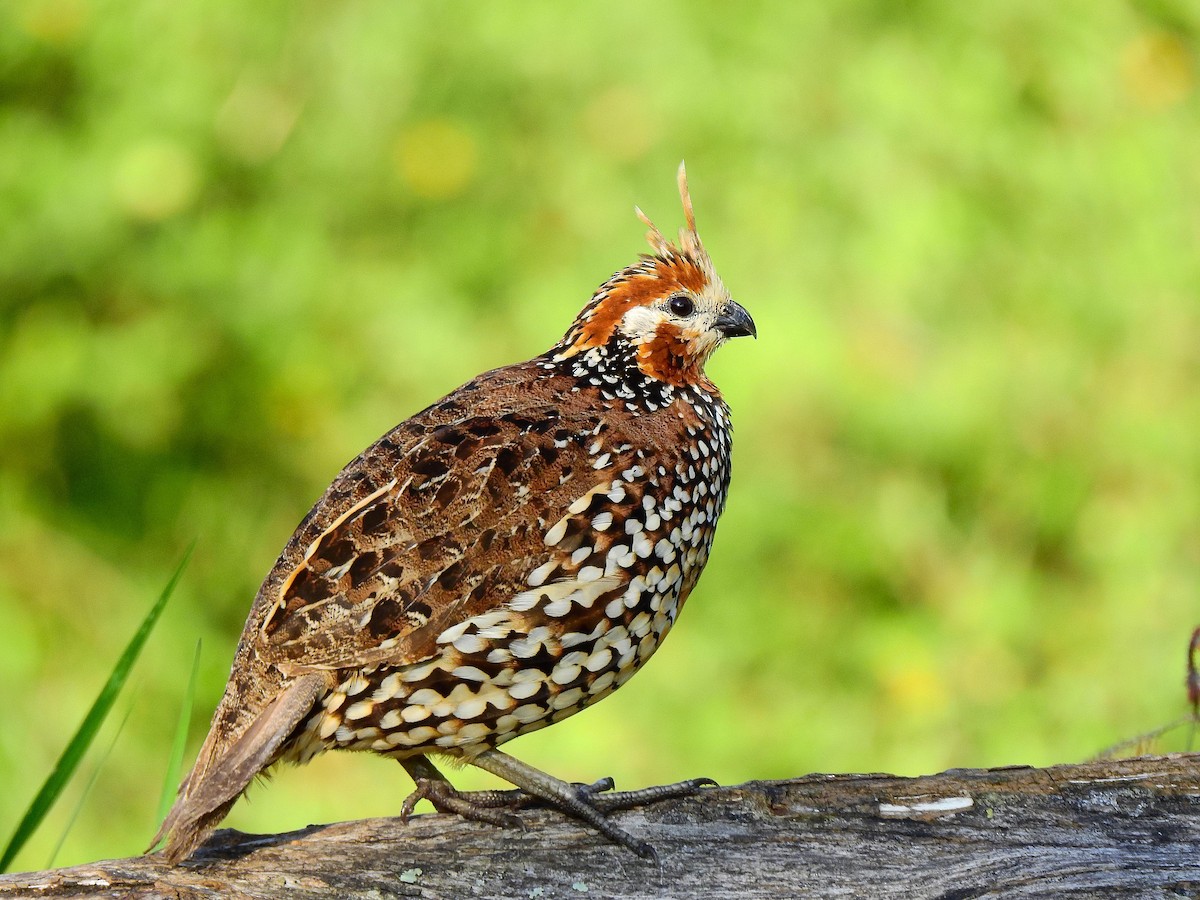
(1112, 828)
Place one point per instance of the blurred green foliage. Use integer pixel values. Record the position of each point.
(240, 241)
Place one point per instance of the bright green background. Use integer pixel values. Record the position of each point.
(240, 241)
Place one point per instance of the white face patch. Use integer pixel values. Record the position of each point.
(640, 324)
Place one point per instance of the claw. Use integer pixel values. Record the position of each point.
(597, 787)
(644, 850)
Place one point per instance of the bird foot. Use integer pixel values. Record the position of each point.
(592, 803)
(480, 806)
(497, 807)
(619, 800)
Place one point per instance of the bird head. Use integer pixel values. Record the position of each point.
(670, 310)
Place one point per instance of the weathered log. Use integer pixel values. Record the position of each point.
(1113, 828)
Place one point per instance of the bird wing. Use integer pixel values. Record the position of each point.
(442, 519)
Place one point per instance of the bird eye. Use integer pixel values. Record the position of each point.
(682, 305)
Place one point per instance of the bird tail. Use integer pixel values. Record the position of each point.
(224, 769)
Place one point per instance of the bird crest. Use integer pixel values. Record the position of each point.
(690, 244)
(672, 268)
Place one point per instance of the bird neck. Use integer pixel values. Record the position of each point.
(617, 370)
(612, 370)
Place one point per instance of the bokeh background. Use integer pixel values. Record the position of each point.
(240, 241)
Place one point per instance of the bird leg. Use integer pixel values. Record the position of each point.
(587, 802)
(479, 806)
(435, 787)
(581, 801)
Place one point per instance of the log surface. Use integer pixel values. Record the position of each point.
(1113, 828)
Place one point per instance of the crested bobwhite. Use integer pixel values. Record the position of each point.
(496, 563)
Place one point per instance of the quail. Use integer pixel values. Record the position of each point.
(496, 563)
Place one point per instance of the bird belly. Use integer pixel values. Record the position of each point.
(548, 652)
(518, 680)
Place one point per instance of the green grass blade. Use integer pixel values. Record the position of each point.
(71, 756)
(87, 789)
(175, 763)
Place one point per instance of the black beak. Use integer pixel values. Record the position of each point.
(735, 321)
